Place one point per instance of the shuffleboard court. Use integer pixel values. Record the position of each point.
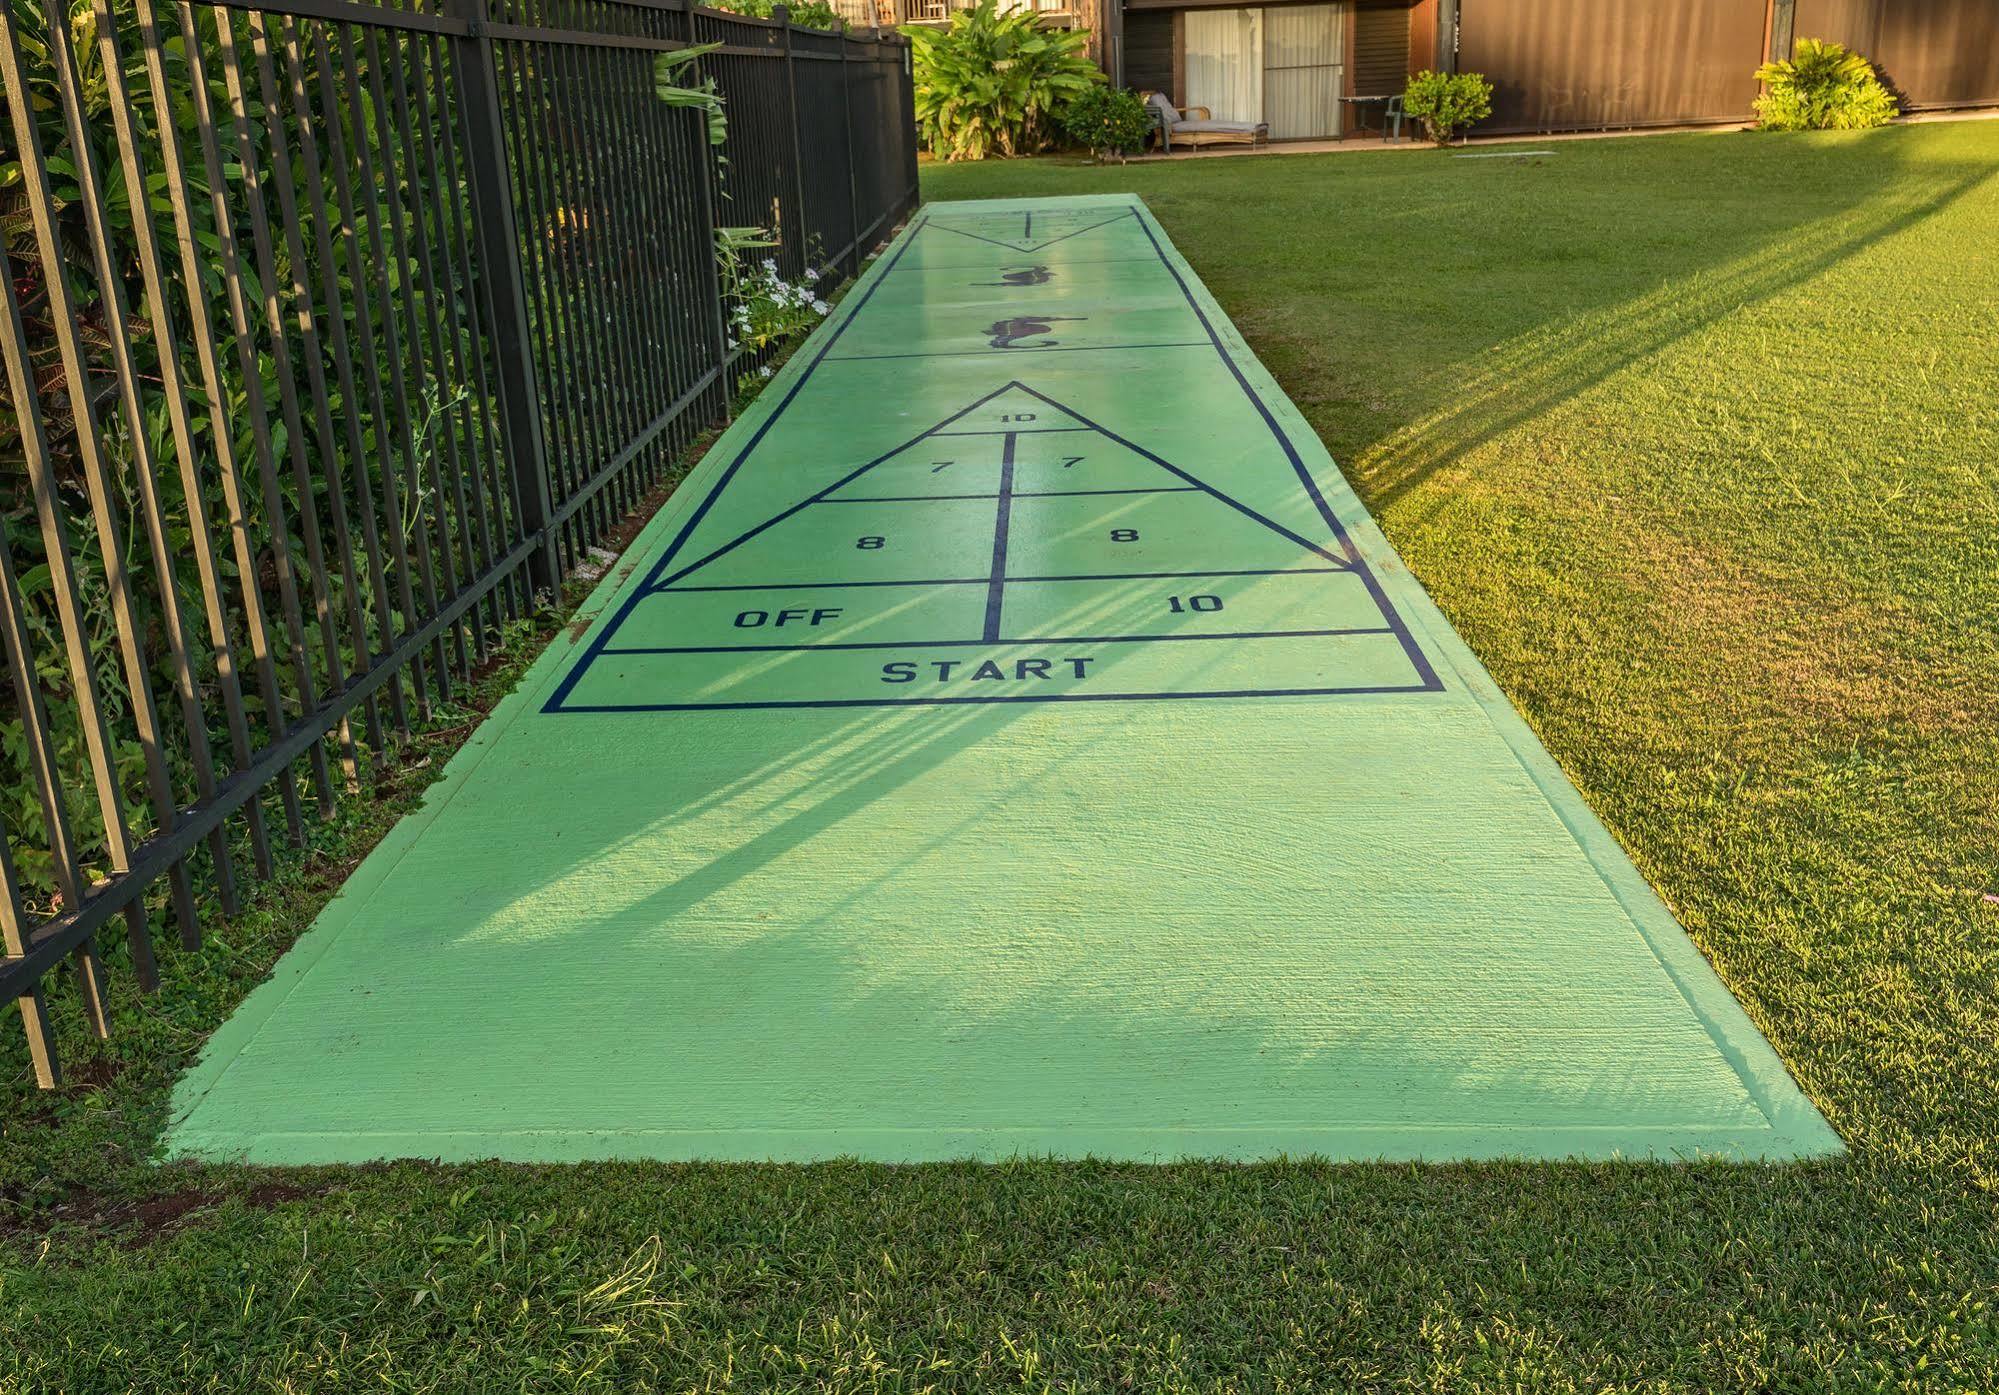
(1013, 738)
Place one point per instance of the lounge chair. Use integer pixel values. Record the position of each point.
(1197, 126)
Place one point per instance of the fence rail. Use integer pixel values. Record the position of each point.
(335, 334)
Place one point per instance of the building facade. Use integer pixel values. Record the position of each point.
(1318, 69)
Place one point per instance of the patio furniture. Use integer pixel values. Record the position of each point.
(1196, 126)
(1360, 106)
(1395, 114)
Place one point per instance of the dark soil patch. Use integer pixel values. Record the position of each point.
(137, 1222)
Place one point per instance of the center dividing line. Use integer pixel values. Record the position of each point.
(996, 588)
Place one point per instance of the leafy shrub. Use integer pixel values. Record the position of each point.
(764, 309)
(995, 84)
(1107, 121)
(1822, 87)
(807, 14)
(1446, 103)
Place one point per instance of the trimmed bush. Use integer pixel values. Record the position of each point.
(1822, 87)
(1446, 103)
(1109, 122)
(996, 84)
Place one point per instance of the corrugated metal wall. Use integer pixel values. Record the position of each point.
(1937, 53)
(1587, 64)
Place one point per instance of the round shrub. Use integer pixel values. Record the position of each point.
(1822, 87)
(1109, 122)
(1446, 103)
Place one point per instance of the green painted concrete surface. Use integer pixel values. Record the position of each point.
(1014, 737)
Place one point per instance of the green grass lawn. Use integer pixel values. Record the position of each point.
(1696, 440)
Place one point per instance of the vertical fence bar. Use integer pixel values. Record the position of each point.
(325, 229)
(250, 370)
(440, 443)
(781, 14)
(711, 221)
(346, 169)
(552, 409)
(66, 320)
(468, 347)
(42, 762)
(181, 199)
(201, 539)
(405, 353)
(272, 284)
(306, 325)
(144, 475)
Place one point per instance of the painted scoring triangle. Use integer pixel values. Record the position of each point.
(971, 440)
(1027, 242)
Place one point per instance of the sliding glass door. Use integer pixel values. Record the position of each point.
(1281, 64)
(1303, 74)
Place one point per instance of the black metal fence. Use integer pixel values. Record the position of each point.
(335, 334)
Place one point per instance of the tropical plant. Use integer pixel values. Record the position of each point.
(807, 14)
(1446, 103)
(996, 83)
(670, 87)
(1109, 122)
(1822, 87)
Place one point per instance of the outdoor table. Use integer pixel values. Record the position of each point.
(1360, 105)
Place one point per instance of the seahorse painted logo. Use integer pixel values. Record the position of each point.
(1024, 331)
(1022, 276)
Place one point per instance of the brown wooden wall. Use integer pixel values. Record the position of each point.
(1423, 36)
(1936, 53)
(1586, 64)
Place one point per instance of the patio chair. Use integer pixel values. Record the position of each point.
(1393, 117)
(1196, 126)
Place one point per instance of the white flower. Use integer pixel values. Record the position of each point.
(764, 372)
(822, 307)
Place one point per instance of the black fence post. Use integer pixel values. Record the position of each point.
(853, 188)
(500, 255)
(711, 224)
(906, 102)
(782, 14)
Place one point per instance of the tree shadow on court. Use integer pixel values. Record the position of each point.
(727, 918)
